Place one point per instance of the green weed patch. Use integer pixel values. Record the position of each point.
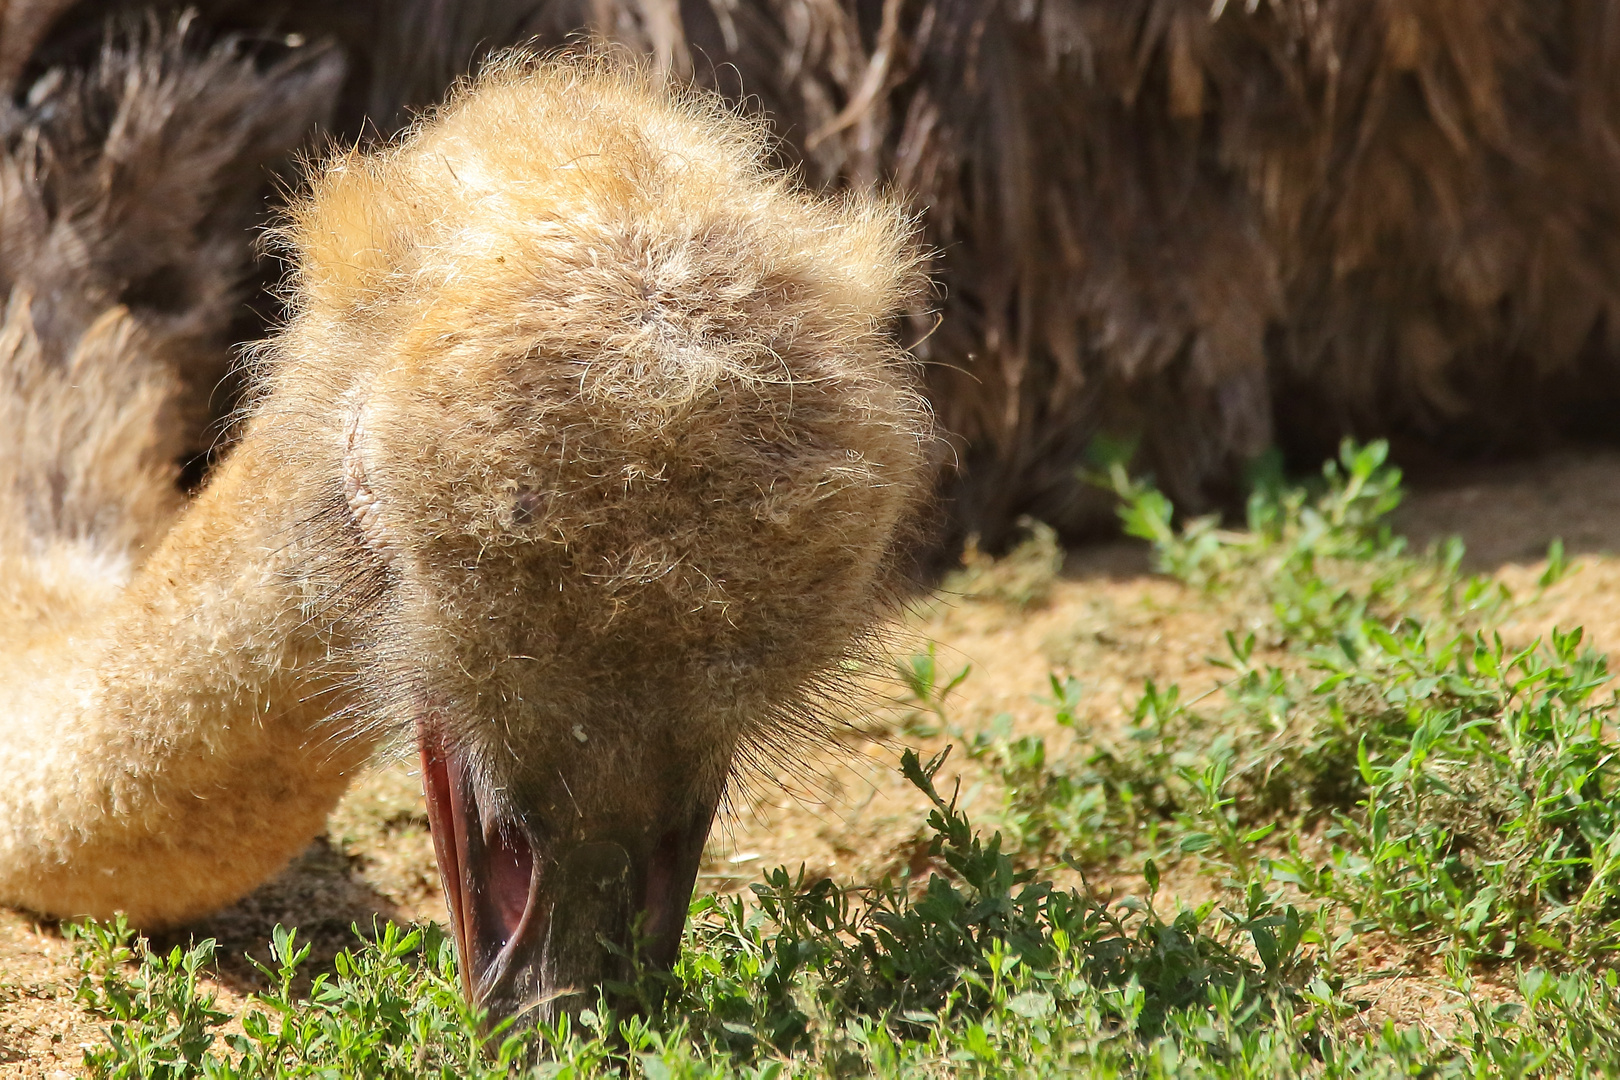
(1378, 765)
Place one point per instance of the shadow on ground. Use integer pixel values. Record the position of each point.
(317, 893)
(1509, 513)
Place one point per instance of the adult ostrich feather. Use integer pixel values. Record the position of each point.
(1199, 226)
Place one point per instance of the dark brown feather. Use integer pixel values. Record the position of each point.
(138, 180)
(1203, 226)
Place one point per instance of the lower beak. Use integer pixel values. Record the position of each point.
(542, 925)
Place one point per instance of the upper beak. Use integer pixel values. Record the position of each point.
(541, 922)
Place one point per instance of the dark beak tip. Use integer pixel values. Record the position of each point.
(542, 928)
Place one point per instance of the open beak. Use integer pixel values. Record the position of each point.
(541, 923)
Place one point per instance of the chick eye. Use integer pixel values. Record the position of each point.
(527, 508)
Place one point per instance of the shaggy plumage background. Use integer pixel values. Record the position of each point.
(1204, 227)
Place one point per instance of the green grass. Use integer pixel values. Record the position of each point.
(1376, 766)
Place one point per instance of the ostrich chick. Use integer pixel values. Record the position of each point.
(580, 462)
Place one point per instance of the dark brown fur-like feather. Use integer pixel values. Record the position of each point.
(1205, 226)
(137, 182)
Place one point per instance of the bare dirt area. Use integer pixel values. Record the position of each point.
(845, 810)
(42, 1033)
(1508, 515)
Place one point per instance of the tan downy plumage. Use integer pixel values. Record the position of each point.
(581, 462)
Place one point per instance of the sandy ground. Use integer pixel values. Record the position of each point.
(845, 810)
